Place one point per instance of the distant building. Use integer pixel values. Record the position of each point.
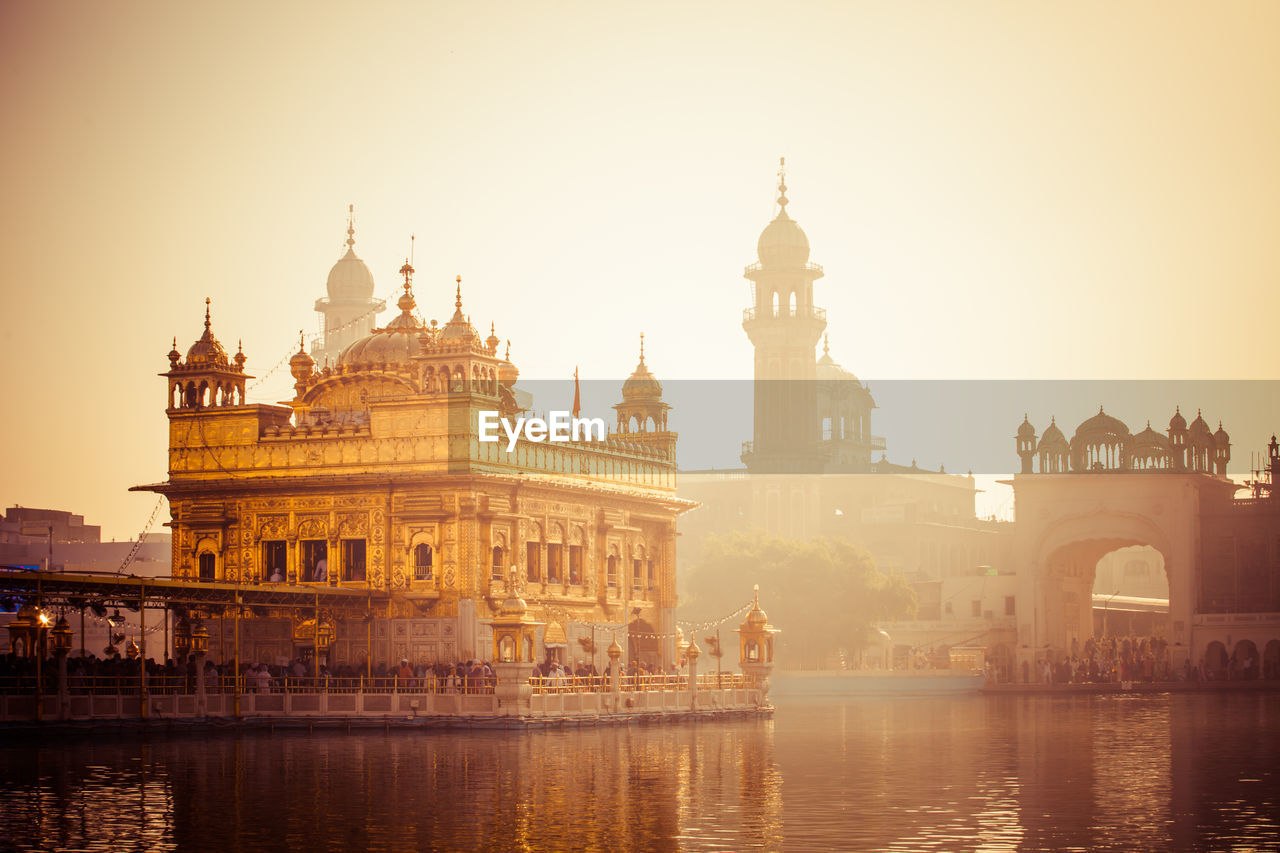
(811, 468)
(27, 525)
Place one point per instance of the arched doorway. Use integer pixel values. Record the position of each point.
(1245, 660)
(1271, 660)
(642, 644)
(1215, 661)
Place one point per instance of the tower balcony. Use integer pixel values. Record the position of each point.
(785, 313)
(751, 271)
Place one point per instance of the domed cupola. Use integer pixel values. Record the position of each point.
(1149, 450)
(641, 385)
(642, 414)
(829, 368)
(207, 377)
(1100, 444)
(350, 279)
(207, 352)
(783, 243)
(396, 343)
(459, 329)
(1201, 446)
(507, 372)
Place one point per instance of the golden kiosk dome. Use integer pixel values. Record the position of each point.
(397, 342)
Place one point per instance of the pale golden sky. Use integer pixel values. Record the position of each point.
(995, 190)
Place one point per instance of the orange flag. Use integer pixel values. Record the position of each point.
(577, 397)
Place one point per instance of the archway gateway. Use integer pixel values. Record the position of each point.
(1068, 522)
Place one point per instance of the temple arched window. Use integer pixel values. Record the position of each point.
(207, 566)
(499, 563)
(422, 557)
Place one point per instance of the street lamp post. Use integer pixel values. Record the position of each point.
(1105, 609)
(61, 635)
(200, 646)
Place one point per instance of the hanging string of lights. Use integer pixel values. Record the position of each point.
(137, 546)
(692, 627)
(314, 338)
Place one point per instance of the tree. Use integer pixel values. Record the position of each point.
(823, 594)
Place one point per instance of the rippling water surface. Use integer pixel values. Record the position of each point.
(1119, 773)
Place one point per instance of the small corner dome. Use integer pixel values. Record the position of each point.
(1052, 438)
(1025, 429)
(350, 278)
(641, 385)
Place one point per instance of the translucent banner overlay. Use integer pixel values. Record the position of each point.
(959, 426)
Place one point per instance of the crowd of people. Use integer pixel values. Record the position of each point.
(1111, 660)
(471, 676)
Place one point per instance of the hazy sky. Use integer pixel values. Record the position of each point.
(1006, 190)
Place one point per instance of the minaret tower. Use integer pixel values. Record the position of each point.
(784, 327)
(350, 309)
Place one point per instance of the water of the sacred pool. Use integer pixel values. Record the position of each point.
(1034, 772)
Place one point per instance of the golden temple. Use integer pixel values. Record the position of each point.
(372, 481)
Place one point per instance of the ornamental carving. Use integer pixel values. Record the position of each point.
(311, 528)
(272, 527)
(353, 526)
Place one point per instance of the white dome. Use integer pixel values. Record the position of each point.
(350, 278)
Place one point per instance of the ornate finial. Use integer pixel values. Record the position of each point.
(757, 594)
(507, 357)
(491, 328)
(642, 347)
(826, 344)
(1099, 408)
(175, 341)
(302, 341)
(457, 302)
(207, 322)
(1198, 413)
(1053, 420)
(351, 227)
(1026, 417)
(782, 183)
(407, 272)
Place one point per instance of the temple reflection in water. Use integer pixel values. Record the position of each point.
(1142, 772)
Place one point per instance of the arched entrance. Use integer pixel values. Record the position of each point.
(1271, 660)
(1215, 661)
(1063, 557)
(642, 644)
(1245, 661)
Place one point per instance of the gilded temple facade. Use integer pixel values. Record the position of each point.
(372, 481)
